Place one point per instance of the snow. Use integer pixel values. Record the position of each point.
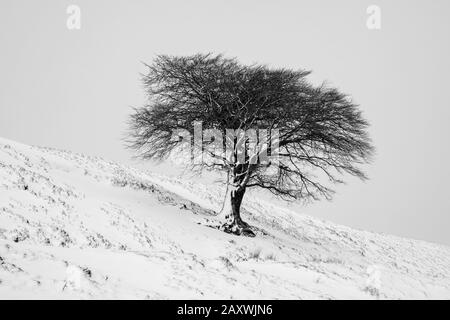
(79, 227)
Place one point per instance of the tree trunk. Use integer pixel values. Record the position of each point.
(233, 221)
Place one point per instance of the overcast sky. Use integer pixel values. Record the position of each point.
(73, 89)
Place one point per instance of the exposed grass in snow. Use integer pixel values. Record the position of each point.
(73, 226)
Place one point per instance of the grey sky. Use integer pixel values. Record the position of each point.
(73, 89)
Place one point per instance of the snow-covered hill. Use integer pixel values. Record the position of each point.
(73, 226)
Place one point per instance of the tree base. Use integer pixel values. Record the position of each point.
(240, 228)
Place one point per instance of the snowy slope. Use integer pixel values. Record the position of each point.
(73, 226)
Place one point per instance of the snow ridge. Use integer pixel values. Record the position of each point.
(74, 226)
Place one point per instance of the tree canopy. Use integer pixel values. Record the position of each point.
(320, 133)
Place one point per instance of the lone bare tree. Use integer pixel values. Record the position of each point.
(311, 135)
